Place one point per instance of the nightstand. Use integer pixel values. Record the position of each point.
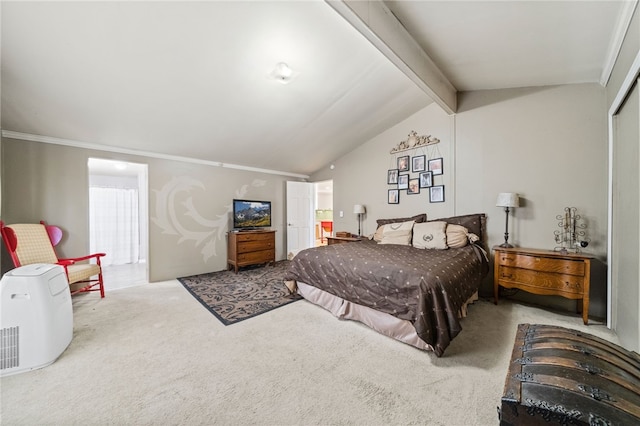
(544, 272)
(339, 240)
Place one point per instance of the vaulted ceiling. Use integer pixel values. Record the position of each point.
(194, 79)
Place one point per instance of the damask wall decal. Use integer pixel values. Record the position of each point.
(171, 219)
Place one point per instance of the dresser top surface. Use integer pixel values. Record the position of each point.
(253, 231)
(544, 253)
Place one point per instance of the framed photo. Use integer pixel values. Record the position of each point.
(403, 181)
(435, 166)
(394, 196)
(392, 176)
(418, 163)
(436, 194)
(426, 179)
(403, 163)
(414, 186)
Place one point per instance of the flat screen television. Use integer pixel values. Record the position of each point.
(251, 214)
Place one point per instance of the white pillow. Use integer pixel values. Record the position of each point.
(430, 235)
(457, 236)
(397, 233)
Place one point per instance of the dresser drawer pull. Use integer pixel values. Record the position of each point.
(507, 276)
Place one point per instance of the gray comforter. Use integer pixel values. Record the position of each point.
(425, 287)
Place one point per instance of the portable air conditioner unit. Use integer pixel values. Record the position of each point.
(36, 322)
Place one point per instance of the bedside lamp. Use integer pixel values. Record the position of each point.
(507, 200)
(359, 209)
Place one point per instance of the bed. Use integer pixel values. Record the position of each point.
(414, 295)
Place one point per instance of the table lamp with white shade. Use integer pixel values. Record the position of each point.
(359, 209)
(507, 200)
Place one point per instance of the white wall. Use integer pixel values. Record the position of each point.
(189, 204)
(360, 177)
(548, 144)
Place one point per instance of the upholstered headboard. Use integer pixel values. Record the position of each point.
(475, 223)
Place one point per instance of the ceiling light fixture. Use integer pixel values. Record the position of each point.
(283, 73)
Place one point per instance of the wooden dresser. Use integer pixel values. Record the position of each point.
(544, 272)
(561, 376)
(246, 248)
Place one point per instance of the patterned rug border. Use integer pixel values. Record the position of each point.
(294, 298)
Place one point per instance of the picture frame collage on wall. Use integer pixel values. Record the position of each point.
(422, 178)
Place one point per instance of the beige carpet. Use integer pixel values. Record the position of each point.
(153, 355)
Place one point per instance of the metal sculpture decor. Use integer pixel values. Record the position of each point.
(571, 236)
(414, 141)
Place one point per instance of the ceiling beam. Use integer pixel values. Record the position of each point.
(378, 25)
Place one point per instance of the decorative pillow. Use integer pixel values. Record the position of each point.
(378, 234)
(457, 236)
(419, 218)
(430, 235)
(397, 233)
(473, 222)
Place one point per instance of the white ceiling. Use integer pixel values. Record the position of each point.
(192, 79)
(502, 44)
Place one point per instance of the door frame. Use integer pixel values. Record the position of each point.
(142, 174)
(625, 88)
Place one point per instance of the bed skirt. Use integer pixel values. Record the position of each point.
(381, 322)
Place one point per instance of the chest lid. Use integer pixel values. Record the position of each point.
(568, 375)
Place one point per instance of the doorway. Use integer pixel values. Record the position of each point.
(323, 211)
(118, 220)
(309, 207)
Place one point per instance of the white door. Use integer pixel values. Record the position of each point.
(300, 196)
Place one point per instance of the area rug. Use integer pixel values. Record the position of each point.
(235, 297)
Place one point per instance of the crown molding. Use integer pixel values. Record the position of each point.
(85, 145)
(622, 26)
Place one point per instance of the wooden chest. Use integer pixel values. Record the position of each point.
(563, 376)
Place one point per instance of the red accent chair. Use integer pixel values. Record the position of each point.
(29, 243)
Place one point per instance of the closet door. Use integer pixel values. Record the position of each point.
(625, 255)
